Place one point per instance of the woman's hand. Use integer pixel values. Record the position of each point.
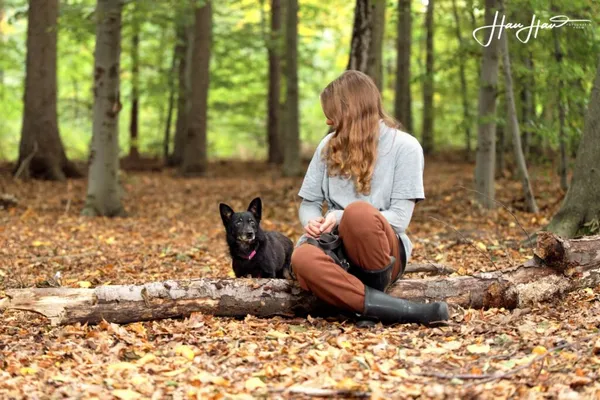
(329, 223)
(312, 229)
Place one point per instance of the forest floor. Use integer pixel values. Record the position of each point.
(174, 232)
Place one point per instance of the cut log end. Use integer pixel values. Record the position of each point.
(550, 249)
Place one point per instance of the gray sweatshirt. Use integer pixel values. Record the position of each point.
(396, 185)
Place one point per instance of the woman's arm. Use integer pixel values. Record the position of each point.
(310, 210)
(399, 214)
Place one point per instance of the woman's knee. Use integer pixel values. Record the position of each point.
(360, 217)
(303, 259)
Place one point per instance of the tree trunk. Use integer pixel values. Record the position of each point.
(527, 102)
(41, 151)
(562, 169)
(195, 152)
(403, 99)
(500, 147)
(486, 132)
(167, 137)
(561, 266)
(428, 107)
(361, 37)
(135, 92)
(580, 211)
(463, 81)
(274, 108)
(1, 38)
(375, 54)
(513, 126)
(103, 196)
(184, 49)
(291, 146)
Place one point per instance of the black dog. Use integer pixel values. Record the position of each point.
(255, 252)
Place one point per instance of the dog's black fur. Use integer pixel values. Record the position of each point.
(244, 235)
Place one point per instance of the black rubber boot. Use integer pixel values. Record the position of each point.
(389, 309)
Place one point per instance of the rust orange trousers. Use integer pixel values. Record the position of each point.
(369, 241)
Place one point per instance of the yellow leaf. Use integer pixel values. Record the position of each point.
(121, 366)
(137, 328)
(539, 350)
(147, 358)
(452, 345)
(60, 378)
(512, 225)
(138, 380)
(38, 243)
(185, 351)
(175, 372)
(347, 384)
(401, 373)
(28, 370)
(273, 334)
(206, 377)
(110, 240)
(478, 348)
(253, 384)
(84, 284)
(481, 246)
(126, 394)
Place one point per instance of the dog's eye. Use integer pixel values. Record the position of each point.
(238, 223)
(252, 223)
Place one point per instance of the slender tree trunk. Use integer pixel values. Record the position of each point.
(291, 146)
(562, 169)
(375, 62)
(580, 211)
(361, 37)
(103, 193)
(463, 81)
(195, 153)
(135, 92)
(184, 49)
(576, 109)
(403, 99)
(428, 90)
(41, 152)
(486, 132)
(274, 108)
(1, 37)
(167, 138)
(527, 101)
(500, 146)
(513, 126)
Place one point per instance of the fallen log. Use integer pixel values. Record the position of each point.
(559, 266)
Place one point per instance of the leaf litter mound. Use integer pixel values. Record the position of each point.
(174, 231)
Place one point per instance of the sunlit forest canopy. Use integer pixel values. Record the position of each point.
(237, 110)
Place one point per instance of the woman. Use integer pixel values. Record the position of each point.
(371, 175)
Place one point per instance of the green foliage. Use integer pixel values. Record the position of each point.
(238, 82)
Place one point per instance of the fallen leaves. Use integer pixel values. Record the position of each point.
(175, 232)
(478, 348)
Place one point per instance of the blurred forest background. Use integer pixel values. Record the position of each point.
(154, 32)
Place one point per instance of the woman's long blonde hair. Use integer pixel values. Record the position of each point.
(352, 103)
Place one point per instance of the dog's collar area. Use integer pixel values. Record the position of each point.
(251, 256)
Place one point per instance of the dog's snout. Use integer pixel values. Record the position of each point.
(249, 235)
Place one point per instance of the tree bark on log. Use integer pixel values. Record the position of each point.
(558, 267)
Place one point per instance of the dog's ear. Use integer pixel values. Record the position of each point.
(226, 213)
(255, 208)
